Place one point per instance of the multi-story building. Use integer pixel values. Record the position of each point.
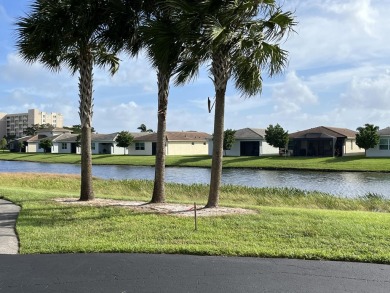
(16, 124)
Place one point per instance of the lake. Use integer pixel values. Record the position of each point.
(346, 184)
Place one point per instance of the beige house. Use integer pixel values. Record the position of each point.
(16, 124)
(324, 141)
(177, 143)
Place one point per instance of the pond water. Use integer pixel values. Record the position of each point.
(346, 184)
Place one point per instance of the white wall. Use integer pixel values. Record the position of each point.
(264, 148)
(146, 152)
(376, 152)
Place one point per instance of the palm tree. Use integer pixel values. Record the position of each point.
(241, 40)
(143, 128)
(69, 33)
(163, 47)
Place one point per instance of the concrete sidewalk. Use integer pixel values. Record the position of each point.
(9, 243)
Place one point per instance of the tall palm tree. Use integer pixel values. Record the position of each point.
(241, 40)
(69, 33)
(163, 47)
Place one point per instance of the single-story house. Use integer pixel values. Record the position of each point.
(67, 143)
(383, 148)
(177, 143)
(100, 144)
(249, 142)
(324, 141)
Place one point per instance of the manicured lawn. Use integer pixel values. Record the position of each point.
(288, 223)
(358, 163)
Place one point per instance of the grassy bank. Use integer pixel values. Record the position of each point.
(288, 223)
(357, 163)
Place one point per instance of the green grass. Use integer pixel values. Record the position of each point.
(289, 223)
(355, 163)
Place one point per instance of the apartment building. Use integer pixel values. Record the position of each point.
(16, 124)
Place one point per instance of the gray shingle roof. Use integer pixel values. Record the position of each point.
(384, 131)
(250, 133)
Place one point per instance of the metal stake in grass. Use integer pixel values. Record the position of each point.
(195, 217)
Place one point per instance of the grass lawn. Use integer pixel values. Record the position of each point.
(355, 163)
(289, 222)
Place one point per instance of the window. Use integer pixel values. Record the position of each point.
(92, 146)
(139, 146)
(64, 145)
(383, 144)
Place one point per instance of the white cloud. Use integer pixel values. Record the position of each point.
(368, 93)
(331, 33)
(291, 95)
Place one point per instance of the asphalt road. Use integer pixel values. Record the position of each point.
(183, 273)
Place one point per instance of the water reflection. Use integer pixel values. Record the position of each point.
(348, 184)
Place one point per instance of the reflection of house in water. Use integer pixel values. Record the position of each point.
(324, 142)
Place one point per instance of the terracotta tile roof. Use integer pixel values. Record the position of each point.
(325, 131)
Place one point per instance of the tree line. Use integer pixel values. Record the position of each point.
(236, 40)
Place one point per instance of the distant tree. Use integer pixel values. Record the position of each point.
(46, 145)
(76, 129)
(228, 139)
(10, 137)
(3, 144)
(124, 140)
(20, 146)
(78, 140)
(32, 130)
(367, 137)
(143, 128)
(276, 136)
(46, 125)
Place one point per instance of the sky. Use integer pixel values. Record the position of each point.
(338, 75)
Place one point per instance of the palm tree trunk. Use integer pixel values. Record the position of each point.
(221, 72)
(159, 175)
(85, 112)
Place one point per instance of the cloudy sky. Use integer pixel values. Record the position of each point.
(338, 75)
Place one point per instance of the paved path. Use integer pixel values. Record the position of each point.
(184, 273)
(174, 273)
(9, 243)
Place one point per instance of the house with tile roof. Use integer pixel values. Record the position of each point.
(383, 148)
(249, 142)
(323, 141)
(177, 143)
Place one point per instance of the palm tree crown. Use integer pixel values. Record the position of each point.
(70, 33)
(240, 38)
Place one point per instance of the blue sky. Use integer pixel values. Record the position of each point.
(338, 75)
